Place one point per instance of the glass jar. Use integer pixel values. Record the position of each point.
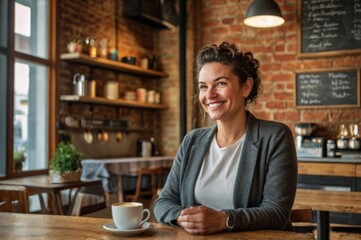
(91, 47)
(103, 50)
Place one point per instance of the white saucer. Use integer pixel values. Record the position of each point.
(110, 227)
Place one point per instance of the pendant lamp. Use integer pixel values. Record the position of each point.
(264, 14)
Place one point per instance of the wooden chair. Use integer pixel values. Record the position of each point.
(301, 215)
(301, 219)
(156, 182)
(87, 200)
(14, 199)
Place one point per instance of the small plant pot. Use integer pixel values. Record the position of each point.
(18, 167)
(72, 47)
(65, 177)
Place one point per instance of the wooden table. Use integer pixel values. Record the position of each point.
(31, 226)
(41, 184)
(324, 202)
(120, 166)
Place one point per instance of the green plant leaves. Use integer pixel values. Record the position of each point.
(66, 158)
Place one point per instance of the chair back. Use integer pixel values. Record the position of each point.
(14, 199)
(301, 215)
(156, 178)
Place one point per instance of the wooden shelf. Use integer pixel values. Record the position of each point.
(118, 102)
(110, 64)
(106, 128)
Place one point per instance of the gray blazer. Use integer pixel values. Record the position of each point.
(266, 178)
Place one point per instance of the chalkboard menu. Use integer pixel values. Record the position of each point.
(329, 27)
(339, 88)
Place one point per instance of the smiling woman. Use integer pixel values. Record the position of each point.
(255, 159)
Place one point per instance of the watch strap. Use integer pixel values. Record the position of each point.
(230, 222)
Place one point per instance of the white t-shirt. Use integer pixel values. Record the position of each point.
(215, 183)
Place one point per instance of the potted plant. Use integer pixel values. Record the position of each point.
(19, 158)
(65, 166)
(74, 45)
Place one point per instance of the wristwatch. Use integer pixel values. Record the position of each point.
(230, 222)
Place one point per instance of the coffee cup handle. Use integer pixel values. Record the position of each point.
(147, 218)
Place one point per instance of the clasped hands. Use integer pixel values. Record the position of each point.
(202, 220)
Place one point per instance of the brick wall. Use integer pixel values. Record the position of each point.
(208, 21)
(276, 48)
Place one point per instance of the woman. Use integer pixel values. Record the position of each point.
(240, 174)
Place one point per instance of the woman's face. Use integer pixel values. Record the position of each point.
(220, 93)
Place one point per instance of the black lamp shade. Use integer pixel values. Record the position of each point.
(263, 14)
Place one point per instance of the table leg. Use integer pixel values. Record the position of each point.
(72, 199)
(58, 206)
(323, 225)
(42, 203)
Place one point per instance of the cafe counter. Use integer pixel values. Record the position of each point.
(336, 174)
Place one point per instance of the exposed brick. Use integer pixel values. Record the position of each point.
(281, 76)
(286, 116)
(227, 20)
(284, 57)
(219, 30)
(210, 23)
(283, 96)
(315, 116)
(276, 105)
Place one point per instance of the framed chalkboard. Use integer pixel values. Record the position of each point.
(329, 27)
(331, 88)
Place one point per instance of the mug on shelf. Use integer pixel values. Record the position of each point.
(111, 90)
(142, 95)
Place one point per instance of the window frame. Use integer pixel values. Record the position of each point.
(51, 63)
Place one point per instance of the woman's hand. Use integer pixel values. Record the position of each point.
(202, 220)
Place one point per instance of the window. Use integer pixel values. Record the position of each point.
(26, 70)
(30, 114)
(31, 27)
(3, 23)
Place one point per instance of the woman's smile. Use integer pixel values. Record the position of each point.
(214, 105)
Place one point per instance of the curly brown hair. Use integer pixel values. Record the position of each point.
(242, 64)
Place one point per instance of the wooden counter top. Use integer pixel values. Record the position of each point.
(128, 159)
(330, 160)
(330, 167)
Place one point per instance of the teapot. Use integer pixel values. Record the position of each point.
(80, 85)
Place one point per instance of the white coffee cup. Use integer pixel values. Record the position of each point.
(129, 215)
